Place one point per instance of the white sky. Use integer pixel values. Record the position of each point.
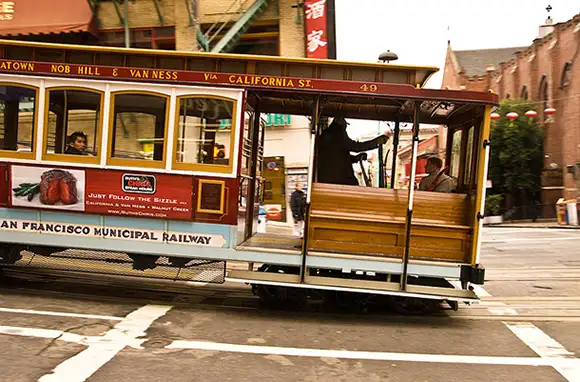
(417, 29)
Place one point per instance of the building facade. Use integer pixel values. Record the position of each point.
(546, 73)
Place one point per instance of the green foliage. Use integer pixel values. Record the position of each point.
(493, 205)
(517, 154)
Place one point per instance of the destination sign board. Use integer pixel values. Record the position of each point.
(237, 80)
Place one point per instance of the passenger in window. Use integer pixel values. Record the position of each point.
(437, 180)
(76, 144)
(334, 158)
(219, 151)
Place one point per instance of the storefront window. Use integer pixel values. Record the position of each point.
(146, 38)
(17, 120)
(204, 134)
(74, 125)
(138, 130)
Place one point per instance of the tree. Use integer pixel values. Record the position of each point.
(517, 155)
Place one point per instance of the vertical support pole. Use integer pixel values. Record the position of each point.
(126, 22)
(449, 149)
(411, 194)
(395, 152)
(60, 134)
(11, 111)
(482, 168)
(474, 155)
(311, 170)
(381, 166)
(462, 159)
(251, 201)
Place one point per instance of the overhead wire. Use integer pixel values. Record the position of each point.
(548, 101)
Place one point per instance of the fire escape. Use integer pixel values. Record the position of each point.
(246, 11)
(249, 11)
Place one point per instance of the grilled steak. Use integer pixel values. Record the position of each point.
(58, 186)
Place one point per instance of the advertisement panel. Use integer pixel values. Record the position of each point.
(102, 192)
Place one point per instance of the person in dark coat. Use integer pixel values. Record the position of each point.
(298, 207)
(334, 154)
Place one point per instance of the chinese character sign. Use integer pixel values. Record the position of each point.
(316, 39)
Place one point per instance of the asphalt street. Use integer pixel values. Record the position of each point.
(526, 328)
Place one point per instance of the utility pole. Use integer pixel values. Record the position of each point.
(127, 42)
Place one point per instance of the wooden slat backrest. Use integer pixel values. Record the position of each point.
(433, 207)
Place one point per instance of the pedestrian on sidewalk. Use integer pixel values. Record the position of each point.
(298, 207)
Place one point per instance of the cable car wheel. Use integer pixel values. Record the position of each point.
(414, 305)
(278, 296)
(357, 302)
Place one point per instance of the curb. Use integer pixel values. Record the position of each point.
(532, 226)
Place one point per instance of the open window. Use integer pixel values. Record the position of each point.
(73, 125)
(18, 105)
(138, 129)
(205, 134)
(462, 156)
(454, 161)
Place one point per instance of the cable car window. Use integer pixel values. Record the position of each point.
(469, 156)
(138, 129)
(17, 120)
(204, 133)
(73, 126)
(455, 154)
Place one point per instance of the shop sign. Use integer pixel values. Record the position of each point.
(6, 10)
(278, 120)
(316, 38)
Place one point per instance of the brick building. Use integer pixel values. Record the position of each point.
(546, 73)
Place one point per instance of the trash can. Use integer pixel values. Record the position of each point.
(572, 211)
(561, 212)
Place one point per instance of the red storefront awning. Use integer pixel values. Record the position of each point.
(32, 17)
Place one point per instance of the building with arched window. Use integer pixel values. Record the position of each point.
(546, 73)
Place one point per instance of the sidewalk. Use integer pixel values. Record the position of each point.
(540, 223)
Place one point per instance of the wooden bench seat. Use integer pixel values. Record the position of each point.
(371, 221)
(387, 219)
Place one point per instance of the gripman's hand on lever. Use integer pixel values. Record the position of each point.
(383, 139)
(361, 157)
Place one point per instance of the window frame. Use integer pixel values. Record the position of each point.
(32, 153)
(222, 183)
(204, 167)
(564, 82)
(66, 157)
(524, 94)
(144, 163)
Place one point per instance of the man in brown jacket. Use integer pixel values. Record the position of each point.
(437, 180)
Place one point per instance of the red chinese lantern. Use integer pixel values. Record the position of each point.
(549, 114)
(531, 114)
(494, 116)
(511, 116)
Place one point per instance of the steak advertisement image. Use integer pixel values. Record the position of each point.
(43, 187)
